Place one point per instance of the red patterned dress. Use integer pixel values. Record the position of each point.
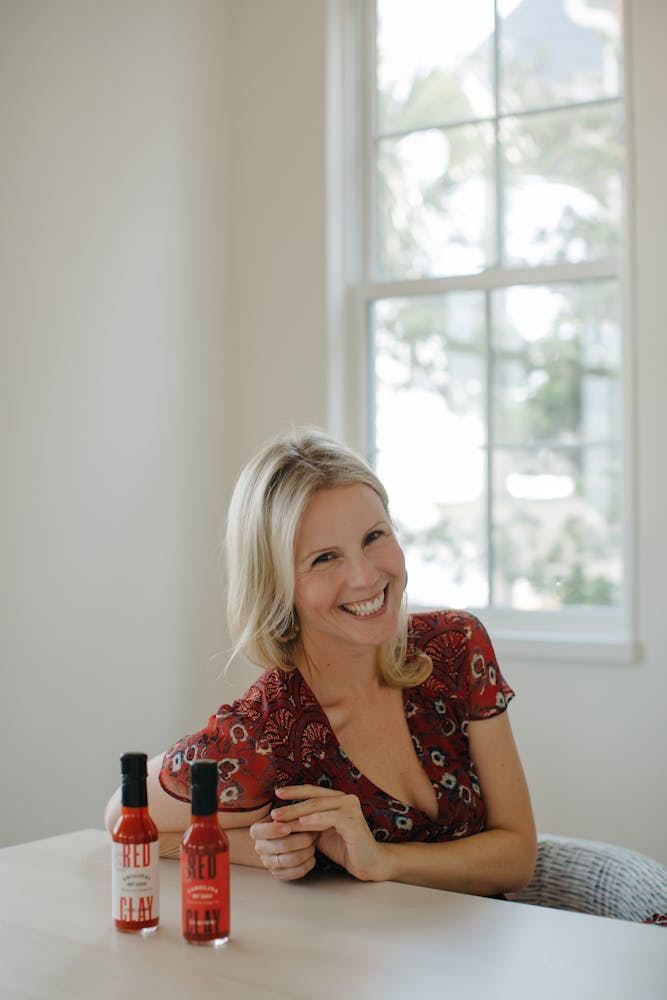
(278, 734)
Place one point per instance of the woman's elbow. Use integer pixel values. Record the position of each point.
(524, 863)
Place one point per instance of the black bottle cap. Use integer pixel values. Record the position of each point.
(133, 765)
(204, 775)
(133, 786)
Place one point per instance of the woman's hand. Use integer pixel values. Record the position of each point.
(337, 825)
(286, 854)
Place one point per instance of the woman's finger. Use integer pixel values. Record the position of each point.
(306, 792)
(287, 814)
(287, 859)
(269, 831)
(275, 861)
(283, 845)
(294, 872)
(318, 821)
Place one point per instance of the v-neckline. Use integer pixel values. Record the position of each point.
(415, 810)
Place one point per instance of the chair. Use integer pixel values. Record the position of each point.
(593, 877)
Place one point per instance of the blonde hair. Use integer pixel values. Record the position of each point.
(265, 511)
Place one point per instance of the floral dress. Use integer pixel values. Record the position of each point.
(278, 734)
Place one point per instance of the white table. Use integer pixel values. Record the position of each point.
(320, 938)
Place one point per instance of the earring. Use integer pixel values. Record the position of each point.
(291, 629)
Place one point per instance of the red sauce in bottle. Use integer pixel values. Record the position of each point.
(205, 863)
(135, 853)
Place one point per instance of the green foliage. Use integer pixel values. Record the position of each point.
(435, 99)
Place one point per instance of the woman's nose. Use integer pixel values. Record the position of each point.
(362, 570)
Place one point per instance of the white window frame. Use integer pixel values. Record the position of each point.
(581, 635)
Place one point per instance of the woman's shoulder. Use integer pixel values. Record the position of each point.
(271, 708)
(247, 738)
(452, 638)
(463, 658)
(425, 626)
(273, 690)
(266, 689)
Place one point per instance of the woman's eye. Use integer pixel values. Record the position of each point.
(373, 535)
(323, 557)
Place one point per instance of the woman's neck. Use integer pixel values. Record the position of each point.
(338, 679)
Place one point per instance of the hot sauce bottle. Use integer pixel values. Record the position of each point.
(205, 863)
(134, 853)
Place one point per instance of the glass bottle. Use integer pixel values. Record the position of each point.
(135, 853)
(205, 863)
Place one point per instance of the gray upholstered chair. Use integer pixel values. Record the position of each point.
(593, 877)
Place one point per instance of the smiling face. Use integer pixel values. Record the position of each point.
(349, 572)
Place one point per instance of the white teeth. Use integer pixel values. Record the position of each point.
(365, 608)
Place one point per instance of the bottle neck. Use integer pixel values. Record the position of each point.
(204, 800)
(133, 794)
(205, 819)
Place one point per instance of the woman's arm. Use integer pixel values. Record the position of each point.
(172, 818)
(500, 859)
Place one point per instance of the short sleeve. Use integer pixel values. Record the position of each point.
(489, 693)
(234, 738)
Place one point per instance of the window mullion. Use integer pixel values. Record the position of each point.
(490, 448)
(499, 181)
(546, 274)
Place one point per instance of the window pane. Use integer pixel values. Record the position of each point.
(434, 63)
(556, 528)
(551, 52)
(430, 436)
(496, 407)
(563, 200)
(436, 196)
(556, 363)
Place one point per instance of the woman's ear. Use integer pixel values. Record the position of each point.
(291, 629)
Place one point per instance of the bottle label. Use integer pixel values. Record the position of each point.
(205, 889)
(135, 882)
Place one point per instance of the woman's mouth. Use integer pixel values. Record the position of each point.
(364, 609)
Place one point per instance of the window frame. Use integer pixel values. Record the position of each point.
(580, 634)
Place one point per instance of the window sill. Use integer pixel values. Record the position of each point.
(573, 635)
(560, 648)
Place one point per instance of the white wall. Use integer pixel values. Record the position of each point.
(113, 391)
(278, 193)
(128, 403)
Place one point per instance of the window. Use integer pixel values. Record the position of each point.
(493, 293)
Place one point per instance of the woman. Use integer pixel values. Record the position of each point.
(374, 740)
